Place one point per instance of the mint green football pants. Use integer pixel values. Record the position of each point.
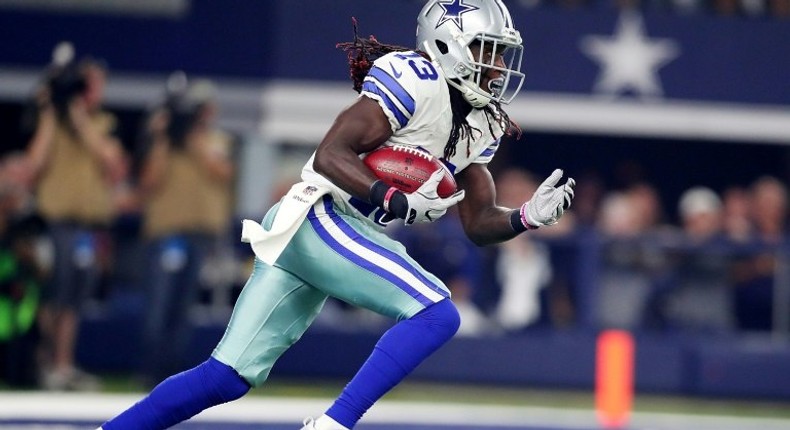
(332, 254)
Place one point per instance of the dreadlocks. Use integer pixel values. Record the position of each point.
(462, 130)
(363, 52)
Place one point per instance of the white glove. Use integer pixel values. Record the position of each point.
(425, 205)
(549, 201)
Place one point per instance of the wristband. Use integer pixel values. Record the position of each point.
(518, 220)
(515, 222)
(387, 197)
(377, 192)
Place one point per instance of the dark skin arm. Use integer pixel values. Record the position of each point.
(484, 222)
(360, 128)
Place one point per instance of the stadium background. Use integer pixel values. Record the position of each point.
(719, 116)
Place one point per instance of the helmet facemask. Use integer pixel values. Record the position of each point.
(494, 54)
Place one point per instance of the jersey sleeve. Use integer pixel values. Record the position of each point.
(391, 84)
(487, 155)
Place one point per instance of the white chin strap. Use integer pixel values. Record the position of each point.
(477, 99)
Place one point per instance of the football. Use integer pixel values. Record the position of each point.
(407, 168)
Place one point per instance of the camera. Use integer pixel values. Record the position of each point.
(64, 84)
(184, 113)
(186, 104)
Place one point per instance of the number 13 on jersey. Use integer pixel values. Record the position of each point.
(423, 68)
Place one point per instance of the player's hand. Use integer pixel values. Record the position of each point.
(425, 205)
(549, 201)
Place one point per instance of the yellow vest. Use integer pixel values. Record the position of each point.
(189, 200)
(73, 186)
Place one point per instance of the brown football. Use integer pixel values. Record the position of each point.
(407, 168)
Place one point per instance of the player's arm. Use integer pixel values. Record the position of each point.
(486, 223)
(360, 128)
(40, 145)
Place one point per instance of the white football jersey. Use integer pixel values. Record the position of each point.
(415, 97)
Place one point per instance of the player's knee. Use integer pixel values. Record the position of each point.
(452, 319)
(444, 317)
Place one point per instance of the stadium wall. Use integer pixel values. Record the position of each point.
(727, 367)
(712, 58)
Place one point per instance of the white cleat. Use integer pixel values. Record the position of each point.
(324, 422)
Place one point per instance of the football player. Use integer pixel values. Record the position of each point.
(324, 237)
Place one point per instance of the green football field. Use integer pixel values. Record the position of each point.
(282, 404)
(508, 396)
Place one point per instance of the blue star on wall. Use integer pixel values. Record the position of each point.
(453, 11)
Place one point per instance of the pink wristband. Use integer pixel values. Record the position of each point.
(527, 225)
(386, 204)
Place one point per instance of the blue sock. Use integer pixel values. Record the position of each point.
(397, 353)
(181, 397)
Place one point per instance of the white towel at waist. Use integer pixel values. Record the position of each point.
(268, 245)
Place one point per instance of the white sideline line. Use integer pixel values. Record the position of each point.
(99, 407)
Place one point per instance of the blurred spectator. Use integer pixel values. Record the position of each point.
(686, 7)
(618, 216)
(523, 267)
(76, 163)
(23, 270)
(749, 8)
(701, 214)
(779, 8)
(737, 224)
(695, 293)
(630, 258)
(769, 209)
(728, 8)
(186, 190)
(754, 291)
(589, 193)
(21, 279)
(647, 204)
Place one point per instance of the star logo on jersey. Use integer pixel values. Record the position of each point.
(629, 59)
(453, 11)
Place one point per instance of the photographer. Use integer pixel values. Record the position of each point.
(186, 189)
(21, 274)
(77, 165)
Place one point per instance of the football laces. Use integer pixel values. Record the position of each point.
(414, 151)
